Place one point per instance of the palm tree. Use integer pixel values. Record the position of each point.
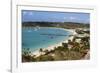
(41, 50)
(65, 45)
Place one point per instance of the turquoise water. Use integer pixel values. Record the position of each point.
(43, 37)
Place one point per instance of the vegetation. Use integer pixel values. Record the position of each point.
(67, 25)
(26, 56)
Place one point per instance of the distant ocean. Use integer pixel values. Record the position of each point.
(36, 38)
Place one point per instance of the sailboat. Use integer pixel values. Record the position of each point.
(35, 29)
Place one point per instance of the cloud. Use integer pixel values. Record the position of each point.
(24, 13)
(27, 13)
(72, 18)
(65, 18)
(30, 13)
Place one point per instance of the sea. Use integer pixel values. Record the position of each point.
(43, 37)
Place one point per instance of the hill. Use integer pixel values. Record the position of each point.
(68, 25)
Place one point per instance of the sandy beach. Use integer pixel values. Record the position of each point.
(37, 53)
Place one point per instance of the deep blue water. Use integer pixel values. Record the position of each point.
(41, 38)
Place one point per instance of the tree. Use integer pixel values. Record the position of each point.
(41, 50)
(65, 45)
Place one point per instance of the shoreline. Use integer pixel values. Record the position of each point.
(37, 53)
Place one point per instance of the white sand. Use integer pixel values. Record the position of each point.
(37, 53)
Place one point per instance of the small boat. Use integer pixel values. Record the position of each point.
(51, 37)
(29, 30)
(35, 29)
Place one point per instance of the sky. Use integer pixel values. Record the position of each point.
(50, 16)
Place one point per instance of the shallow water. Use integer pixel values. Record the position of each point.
(43, 37)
